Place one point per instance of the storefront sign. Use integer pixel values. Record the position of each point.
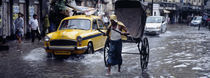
(16, 9)
(31, 10)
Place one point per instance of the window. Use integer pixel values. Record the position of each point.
(164, 19)
(100, 24)
(153, 19)
(95, 26)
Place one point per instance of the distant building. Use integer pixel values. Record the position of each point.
(179, 9)
(207, 8)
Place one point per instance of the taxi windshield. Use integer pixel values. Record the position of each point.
(83, 24)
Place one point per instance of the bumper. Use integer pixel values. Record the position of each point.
(195, 24)
(65, 48)
(153, 31)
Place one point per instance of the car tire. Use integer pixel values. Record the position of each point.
(49, 55)
(165, 30)
(90, 49)
(162, 31)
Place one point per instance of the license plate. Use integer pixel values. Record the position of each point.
(62, 53)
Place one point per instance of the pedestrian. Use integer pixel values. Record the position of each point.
(115, 32)
(205, 17)
(19, 23)
(46, 25)
(105, 19)
(34, 25)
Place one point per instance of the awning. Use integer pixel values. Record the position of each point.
(166, 11)
(86, 10)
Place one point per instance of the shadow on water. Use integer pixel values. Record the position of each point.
(152, 35)
(4, 48)
(69, 57)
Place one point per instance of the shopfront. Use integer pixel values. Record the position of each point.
(9, 10)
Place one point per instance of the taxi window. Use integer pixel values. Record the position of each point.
(100, 24)
(95, 26)
(83, 24)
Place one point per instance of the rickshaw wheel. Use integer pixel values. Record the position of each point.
(106, 49)
(144, 54)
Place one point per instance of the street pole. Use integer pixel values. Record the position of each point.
(152, 8)
(40, 15)
(27, 19)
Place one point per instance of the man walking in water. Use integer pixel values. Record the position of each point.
(35, 27)
(19, 23)
(115, 32)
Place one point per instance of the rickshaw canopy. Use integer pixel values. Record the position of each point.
(132, 15)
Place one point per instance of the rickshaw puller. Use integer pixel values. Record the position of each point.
(114, 54)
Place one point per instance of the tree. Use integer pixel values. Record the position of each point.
(57, 12)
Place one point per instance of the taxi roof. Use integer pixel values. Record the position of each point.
(91, 17)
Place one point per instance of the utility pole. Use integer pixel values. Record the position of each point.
(40, 15)
(27, 19)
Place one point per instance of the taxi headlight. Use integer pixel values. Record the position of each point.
(79, 39)
(46, 38)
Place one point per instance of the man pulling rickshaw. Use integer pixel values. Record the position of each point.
(115, 32)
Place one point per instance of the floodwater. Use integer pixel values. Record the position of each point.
(181, 52)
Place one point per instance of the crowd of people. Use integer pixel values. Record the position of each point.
(33, 26)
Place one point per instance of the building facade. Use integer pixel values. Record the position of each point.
(179, 9)
(9, 10)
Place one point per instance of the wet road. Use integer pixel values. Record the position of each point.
(181, 52)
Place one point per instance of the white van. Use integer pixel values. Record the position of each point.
(155, 25)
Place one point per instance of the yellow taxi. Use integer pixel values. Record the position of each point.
(76, 35)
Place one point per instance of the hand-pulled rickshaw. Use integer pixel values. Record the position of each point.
(132, 14)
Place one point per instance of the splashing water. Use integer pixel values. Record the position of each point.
(37, 54)
(91, 59)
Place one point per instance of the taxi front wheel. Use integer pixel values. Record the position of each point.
(49, 55)
(90, 49)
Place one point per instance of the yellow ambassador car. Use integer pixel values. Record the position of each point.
(76, 35)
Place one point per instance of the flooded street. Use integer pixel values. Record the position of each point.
(181, 52)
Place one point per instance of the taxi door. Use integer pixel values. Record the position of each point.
(102, 27)
(96, 34)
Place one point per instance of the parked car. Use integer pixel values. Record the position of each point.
(196, 21)
(155, 25)
(76, 35)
